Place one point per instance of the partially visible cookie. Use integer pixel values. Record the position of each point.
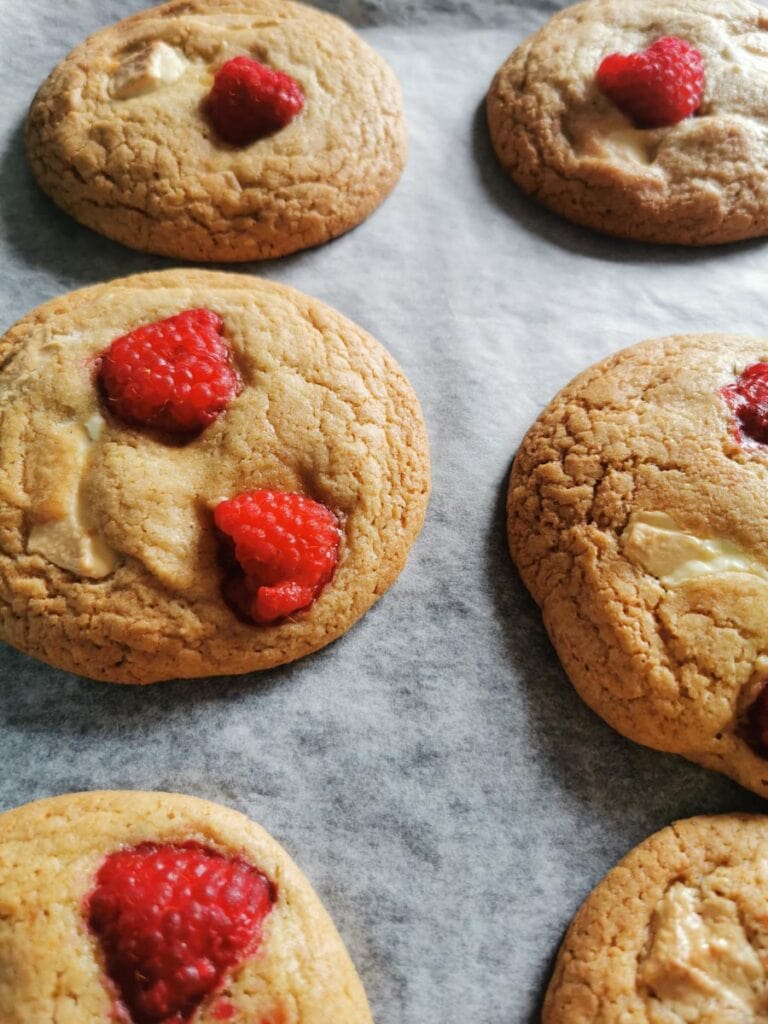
(123, 134)
(675, 934)
(157, 907)
(635, 517)
(200, 474)
(698, 181)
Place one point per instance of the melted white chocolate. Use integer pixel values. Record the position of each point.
(701, 966)
(72, 541)
(633, 145)
(654, 541)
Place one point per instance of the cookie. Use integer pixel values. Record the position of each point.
(635, 519)
(133, 551)
(675, 933)
(566, 142)
(123, 134)
(152, 907)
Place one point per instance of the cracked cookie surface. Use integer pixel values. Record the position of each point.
(109, 562)
(119, 137)
(675, 933)
(699, 182)
(634, 519)
(51, 966)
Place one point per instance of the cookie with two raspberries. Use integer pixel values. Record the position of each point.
(227, 485)
(177, 376)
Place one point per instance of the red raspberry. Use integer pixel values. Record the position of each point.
(171, 921)
(660, 86)
(249, 100)
(175, 374)
(755, 726)
(287, 546)
(748, 401)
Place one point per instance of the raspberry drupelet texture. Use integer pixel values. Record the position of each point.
(171, 921)
(249, 100)
(660, 86)
(747, 399)
(174, 375)
(286, 545)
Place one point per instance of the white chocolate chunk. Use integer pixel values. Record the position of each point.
(701, 965)
(94, 426)
(631, 144)
(654, 541)
(154, 67)
(71, 541)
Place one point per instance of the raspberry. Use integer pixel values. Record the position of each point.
(748, 401)
(175, 374)
(755, 725)
(660, 86)
(249, 100)
(286, 545)
(171, 920)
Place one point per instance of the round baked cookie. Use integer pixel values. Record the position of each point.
(700, 181)
(676, 933)
(236, 932)
(635, 519)
(114, 559)
(120, 134)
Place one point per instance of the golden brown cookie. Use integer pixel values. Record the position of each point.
(120, 137)
(674, 934)
(224, 889)
(697, 182)
(110, 565)
(635, 519)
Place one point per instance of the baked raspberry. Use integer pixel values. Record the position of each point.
(660, 86)
(175, 374)
(287, 547)
(171, 921)
(755, 725)
(249, 100)
(748, 401)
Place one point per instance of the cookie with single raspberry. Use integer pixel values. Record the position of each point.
(675, 932)
(223, 130)
(157, 908)
(200, 474)
(635, 519)
(642, 120)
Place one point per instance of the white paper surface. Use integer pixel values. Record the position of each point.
(433, 772)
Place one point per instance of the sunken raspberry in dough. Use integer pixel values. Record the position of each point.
(220, 130)
(157, 908)
(200, 474)
(635, 517)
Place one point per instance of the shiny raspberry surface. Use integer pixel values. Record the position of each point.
(171, 921)
(287, 547)
(175, 375)
(660, 86)
(748, 401)
(249, 100)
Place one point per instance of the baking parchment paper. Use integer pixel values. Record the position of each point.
(433, 772)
